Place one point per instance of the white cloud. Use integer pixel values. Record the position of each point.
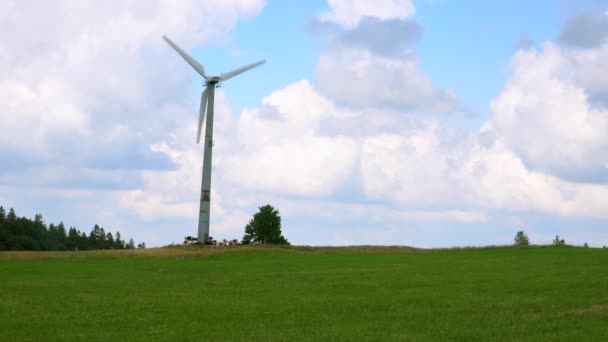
(359, 78)
(73, 73)
(369, 64)
(350, 12)
(281, 149)
(545, 117)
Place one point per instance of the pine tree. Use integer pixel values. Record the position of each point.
(73, 238)
(61, 231)
(22, 233)
(130, 244)
(118, 243)
(11, 217)
(558, 242)
(39, 220)
(521, 239)
(110, 240)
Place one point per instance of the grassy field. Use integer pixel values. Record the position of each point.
(344, 294)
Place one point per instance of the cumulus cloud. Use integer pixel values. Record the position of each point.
(544, 116)
(369, 63)
(87, 85)
(350, 12)
(385, 37)
(587, 29)
(358, 78)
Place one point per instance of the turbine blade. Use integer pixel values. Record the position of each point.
(240, 70)
(201, 114)
(199, 68)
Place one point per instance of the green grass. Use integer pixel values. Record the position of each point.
(343, 294)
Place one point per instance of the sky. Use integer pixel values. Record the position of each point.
(429, 123)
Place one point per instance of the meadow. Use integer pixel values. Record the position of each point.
(337, 294)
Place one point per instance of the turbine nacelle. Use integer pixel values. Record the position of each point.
(213, 80)
(210, 81)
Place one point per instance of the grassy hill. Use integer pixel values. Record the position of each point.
(357, 293)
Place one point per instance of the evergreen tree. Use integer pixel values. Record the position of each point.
(11, 217)
(558, 242)
(4, 233)
(61, 232)
(21, 233)
(73, 238)
(130, 244)
(521, 239)
(84, 242)
(102, 237)
(39, 220)
(110, 241)
(118, 242)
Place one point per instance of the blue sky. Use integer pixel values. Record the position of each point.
(424, 123)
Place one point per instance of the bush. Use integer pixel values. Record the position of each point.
(521, 239)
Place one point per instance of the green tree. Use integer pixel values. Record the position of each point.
(141, 245)
(249, 234)
(22, 233)
(265, 227)
(130, 244)
(110, 241)
(521, 239)
(118, 243)
(73, 238)
(558, 242)
(61, 233)
(11, 217)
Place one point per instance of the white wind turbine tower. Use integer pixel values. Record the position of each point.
(207, 100)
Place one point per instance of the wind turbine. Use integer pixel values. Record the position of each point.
(207, 96)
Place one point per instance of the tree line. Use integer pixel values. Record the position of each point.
(24, 234)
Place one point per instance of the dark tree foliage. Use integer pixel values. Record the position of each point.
(521, 239)
(265, 227)
(23, 234)
(558, 242)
